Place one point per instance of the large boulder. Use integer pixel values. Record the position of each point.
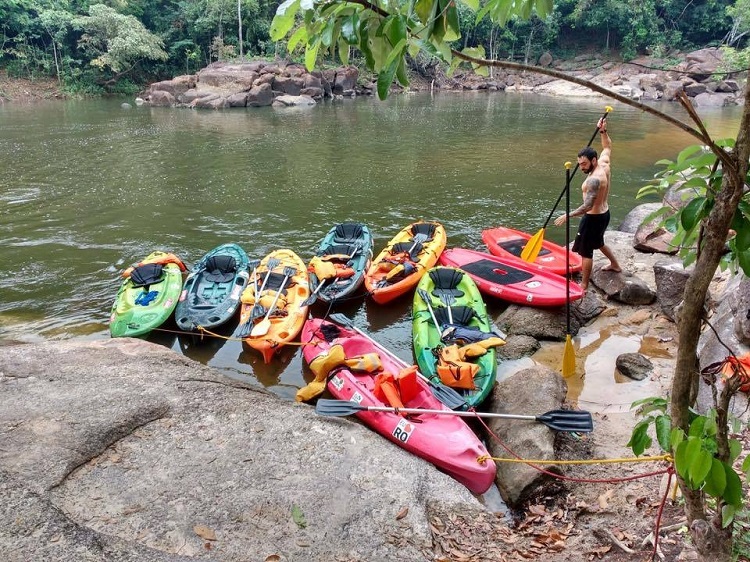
(623, 287)
(530, 391)
(260, 95)
(538, 323)
(634, 219)
(671, 278)
(123, 450)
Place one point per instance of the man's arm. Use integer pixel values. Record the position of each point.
(606, 142)
(592, 190)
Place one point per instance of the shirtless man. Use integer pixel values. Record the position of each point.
(595, 209)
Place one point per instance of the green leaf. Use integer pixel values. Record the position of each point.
(733, 491)
(716, 481)
(727, 515)
(680, 462)
(735, 450)
(743, 259)
(640, 440)
(663, 428)
(453, 27)
(692, 454)
(385, 78)
(688, 152)
(677, 436)
(311, 55)
(692, 213)
(544, 8)
(743, 235)
(343, 51)
(297, 36)
(425, 10)
(288, 7)
(473, 5)
(700, 468)
(349, 28)
(298, 517)
(651, 400)
(696, 427)
(709, 428)
(326, 36)
(746, 465)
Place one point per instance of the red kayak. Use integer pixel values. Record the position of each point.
(509, 243)
(443, 440)
(511, 280)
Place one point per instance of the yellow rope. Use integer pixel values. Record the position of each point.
(592, 461)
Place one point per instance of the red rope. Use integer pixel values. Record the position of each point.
(670, 471)
(570, 478)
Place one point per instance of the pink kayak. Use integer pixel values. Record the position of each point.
(445, 441)
(511, 280)
(509, 243)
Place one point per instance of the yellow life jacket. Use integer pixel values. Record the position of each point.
(454, 371)
(324, 363)
(478, 349)
(324, 268)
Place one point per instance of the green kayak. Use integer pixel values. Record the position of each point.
(148, 295)
(443, 286)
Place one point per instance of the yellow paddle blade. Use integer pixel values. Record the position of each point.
(533, 247)
(569, 359)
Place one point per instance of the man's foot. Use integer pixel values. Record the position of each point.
(610, 267)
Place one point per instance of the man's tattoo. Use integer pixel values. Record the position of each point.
(592, 190)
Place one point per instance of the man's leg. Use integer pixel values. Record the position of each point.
(586, 273)
(613, 265)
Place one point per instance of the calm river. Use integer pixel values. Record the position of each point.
(87, 188)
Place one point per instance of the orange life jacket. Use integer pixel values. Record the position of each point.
(455, 372)
(162, 259)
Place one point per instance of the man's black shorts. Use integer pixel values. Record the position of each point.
(590, 235)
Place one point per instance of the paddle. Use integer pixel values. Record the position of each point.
(426, 298)
(532, 248)
(445, 394)
(576, 421)
(569, 354)
(261, 328)
(418, 239)
(447, 298)
(244, 329)
(314, 296)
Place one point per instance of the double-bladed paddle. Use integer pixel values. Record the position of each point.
(447, 298)
(576, 421)
(445, 394)
(261, 328)
(569, 353)
(424, 295)
(257, 311)
(532, 248)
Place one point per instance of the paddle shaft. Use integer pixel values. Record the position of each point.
(568, 177)
(426, 298)
(567, 186)
(446, 413)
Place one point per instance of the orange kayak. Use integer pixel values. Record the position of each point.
(405, 259)
(272, 313)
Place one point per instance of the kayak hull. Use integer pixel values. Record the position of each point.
(426, 336)
(379, 288)
(211, 296)
(512, 280)
(443, 440)
(133, 315)
(353, 239)
(509, 243)
(286, 321)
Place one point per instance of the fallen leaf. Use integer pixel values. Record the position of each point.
(538, 509)
(604, 499)
(204, 532)
(402, 513)
(207, 545)
(273, 558)
(298, 517)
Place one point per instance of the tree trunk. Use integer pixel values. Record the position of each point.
(713, 542)
(239, 25)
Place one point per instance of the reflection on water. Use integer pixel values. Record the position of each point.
(88, 189)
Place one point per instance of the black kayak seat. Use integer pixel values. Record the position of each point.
(426, 228)
(333, 249)
(446, 280)
(496, 272)
(462, 315)
(274, 282)
(348, 232)
(517, 245)
(220, 269)
(403, 247)
(146, 274)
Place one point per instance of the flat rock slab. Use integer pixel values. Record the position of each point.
(124, 450)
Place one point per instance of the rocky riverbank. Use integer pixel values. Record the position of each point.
(124, 450)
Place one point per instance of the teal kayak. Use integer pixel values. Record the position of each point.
(444, 286)
(211, 295)
(147, 296)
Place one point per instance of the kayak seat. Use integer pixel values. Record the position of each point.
(341, 249)
(496, 272)
(462, 315)
(274, 283)
(427, 228)
(348, 232)
(146, 274)
(446, 280)
(220, 269)
(517, 245)
(403, 247)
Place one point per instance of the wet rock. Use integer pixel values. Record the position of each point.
(536, 389)
(634, 219)
(293, 101)
(545, 59)
(622, 287)
(727, 86)
(694, 89)
(714, 100)
(517, 347)
(237, 100)
(588, 308)
(653, 238)
(260, 95)
(634, 366)
(288, 85)
(670, 277)
(540, 324)
(160, 98)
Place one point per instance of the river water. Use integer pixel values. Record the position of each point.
(87, 188)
